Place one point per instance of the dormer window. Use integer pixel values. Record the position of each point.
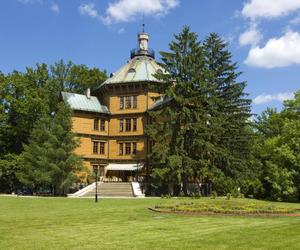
(131, 70)
(159, 71)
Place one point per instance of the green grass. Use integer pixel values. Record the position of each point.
(62, 223)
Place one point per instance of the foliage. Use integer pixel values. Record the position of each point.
(26, 98)
(201, 133)
(9, 168)
(278, 149)
(214, 194)
(48, 160)
(228, 206)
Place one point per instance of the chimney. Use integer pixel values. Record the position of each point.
(88, 93)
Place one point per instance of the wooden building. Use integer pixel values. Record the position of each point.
(111, 124)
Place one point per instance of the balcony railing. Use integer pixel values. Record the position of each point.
(139, 52)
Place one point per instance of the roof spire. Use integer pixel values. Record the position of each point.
(143, 23)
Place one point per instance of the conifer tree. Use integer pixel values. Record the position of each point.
(229, 111)
(179, 121)
(200, 128)
(48, 160)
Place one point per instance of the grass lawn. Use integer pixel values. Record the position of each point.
(64, 223)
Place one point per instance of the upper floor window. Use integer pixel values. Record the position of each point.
(102, 124)
(130, 148)
(128, 124)
(134, 103)
(121, 125)
(134, 124)
(95, 147)
(127, 148)
(96, 124)
(128, 102)
(121, 102)
(102, 148)
(121, 148)
(134, 148)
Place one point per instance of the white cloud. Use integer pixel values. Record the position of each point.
(280, 97)
(278, 52)
(127, 10)
(54, 7)
(252, 36)
(88, 10)
(269, 8)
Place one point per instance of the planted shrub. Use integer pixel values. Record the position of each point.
(214, 194)
(235, 193)
(228, 196)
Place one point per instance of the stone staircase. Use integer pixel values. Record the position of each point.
(111, 189)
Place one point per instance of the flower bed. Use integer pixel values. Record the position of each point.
(227, 207)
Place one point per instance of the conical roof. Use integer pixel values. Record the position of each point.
(141, 67)
(138, 69)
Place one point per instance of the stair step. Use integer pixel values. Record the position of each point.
(118, 189)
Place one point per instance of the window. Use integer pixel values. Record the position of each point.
(128, 102)
(159, 71)
(96, 124)
(102, 148)
(121, 148)
(95, 147)
(121, 102)
(128, 124)
(134, 148)
(121, 125)
(134, 102)
(134, 124)
(127, 148)
(102, 125)
(131, 70)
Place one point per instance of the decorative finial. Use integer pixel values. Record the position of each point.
(143, 23)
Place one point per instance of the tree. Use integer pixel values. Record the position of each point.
(27, 97)
(174, 124)
(278, 150)
(48, 160)
(229, 111)
(200, 131)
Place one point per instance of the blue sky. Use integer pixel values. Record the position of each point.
(264, 35)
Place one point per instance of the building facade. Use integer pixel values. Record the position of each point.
(111, 123)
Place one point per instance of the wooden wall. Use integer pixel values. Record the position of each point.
(83, 126)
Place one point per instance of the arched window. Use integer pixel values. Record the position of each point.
(131, 70)
(159, 71)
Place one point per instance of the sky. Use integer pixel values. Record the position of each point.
(263, 36)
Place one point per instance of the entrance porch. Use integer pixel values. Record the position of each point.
(114, 172)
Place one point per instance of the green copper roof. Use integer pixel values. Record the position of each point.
(138, 69)
(83, 103)
(160, 102)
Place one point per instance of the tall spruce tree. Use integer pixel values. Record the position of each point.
(229, 111)
(48, 160)
(200, 130)
(182, 119)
